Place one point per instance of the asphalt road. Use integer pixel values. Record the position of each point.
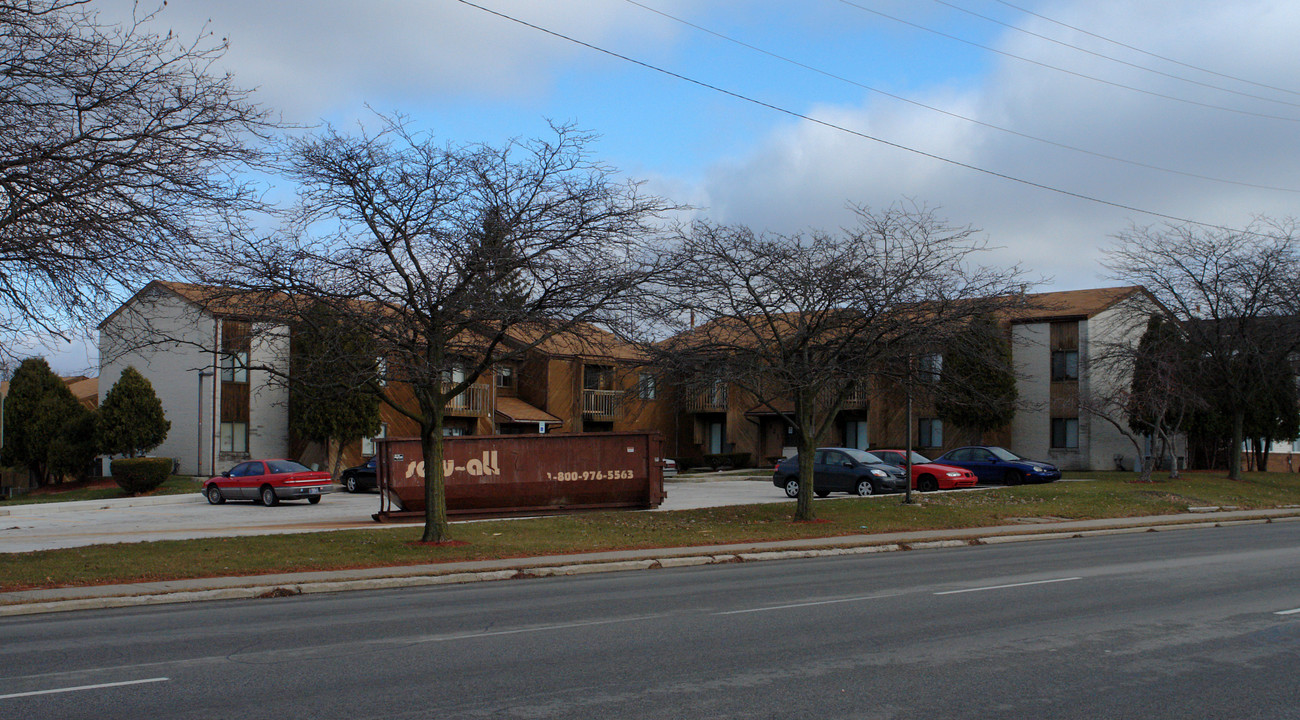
(1193, 624)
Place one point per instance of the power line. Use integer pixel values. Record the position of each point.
(1103, 56)
(981, 123)
(1147, 53)
(1066, 71)
(840, 128)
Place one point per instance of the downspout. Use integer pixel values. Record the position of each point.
(198, 447)
(214, 413)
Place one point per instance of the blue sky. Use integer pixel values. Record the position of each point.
(469, 76)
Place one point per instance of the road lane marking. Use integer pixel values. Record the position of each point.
(84, 687)
(1287, 612)
(808, 604)
(1012, 585)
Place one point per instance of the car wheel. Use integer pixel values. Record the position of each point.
(1015, 477)
(822, 493)
(865, 488)
(268, 496)
(351, 483)
(314, 499)
(792, 488)
(927, 483)
(214, 495)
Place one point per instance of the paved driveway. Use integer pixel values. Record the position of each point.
(24, 528)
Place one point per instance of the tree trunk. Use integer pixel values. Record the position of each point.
(436, 528)
(1234, 452)
(803, 509)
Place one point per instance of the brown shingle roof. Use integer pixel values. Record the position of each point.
(1042, 307)
(516, 410)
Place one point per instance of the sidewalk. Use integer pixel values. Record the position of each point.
(221, 588)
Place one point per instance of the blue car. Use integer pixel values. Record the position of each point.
(841, 469)
(999, 465)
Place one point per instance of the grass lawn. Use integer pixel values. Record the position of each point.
(1113, 495)
(100, 489)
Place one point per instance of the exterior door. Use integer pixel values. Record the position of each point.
(717, 435)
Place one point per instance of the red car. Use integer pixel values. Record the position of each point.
(269, 481)
(928, 475)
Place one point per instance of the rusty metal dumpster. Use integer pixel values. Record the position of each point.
(502, 475)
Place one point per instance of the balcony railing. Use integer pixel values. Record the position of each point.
(473, 402)
(712, 400)
(606, 404)
(855, 400)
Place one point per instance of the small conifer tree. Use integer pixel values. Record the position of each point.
(131, 419)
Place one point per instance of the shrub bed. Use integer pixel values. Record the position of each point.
(140, 475)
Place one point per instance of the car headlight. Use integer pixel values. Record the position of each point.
(1036, 469)
(878, 473)
(954, 474)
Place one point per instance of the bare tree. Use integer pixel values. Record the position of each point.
(119, 149)
(1146, 381)
(454, 258)
(1227, 291)
(800, 321)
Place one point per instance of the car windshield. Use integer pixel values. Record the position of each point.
(280, 467)
(863, 456)
(919, 459)
(1004, 454)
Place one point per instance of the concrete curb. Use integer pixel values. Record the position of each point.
(142, 594)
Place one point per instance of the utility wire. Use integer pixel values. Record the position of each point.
(1112, 41)
(1103, 56)
(1049, 66)
(840, 128)
(958, 116)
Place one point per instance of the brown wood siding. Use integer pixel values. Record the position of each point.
(234, 402)
(1064, 335)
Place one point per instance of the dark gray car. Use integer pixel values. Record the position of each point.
(838, 469)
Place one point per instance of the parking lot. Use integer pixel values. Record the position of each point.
(24, 528)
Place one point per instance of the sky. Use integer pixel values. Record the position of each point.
(1050, 125)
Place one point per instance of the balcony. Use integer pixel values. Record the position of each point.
(712, 400)
(602, 404)
(476, 401)
(856, 400)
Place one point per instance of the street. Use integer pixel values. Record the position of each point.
(1193, 624)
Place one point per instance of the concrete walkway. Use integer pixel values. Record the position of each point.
(153, 593)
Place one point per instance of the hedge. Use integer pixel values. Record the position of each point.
(140, 475)
(734, 460)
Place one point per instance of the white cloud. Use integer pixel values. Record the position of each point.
(311, 60)
(802, 175)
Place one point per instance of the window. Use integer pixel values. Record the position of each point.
(930, 433)
(1065, 364)
(1065, 432)
(368, 444)
(1295, 446)
(929, 368)
(234, 437)
(234, 367)
(453, 431)
(597, 377)
(645, 386)
(505, 376)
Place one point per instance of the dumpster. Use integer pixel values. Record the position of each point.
(504, 475)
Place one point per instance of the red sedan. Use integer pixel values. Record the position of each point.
(928, 475)
(269, 481)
